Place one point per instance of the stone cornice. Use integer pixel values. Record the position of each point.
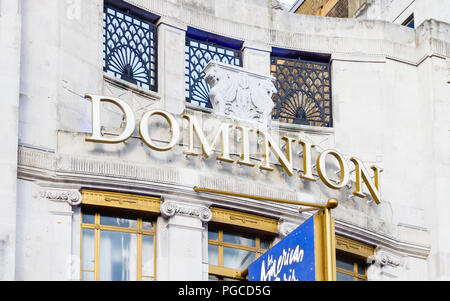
(36, 164)
(278, 29)
(369, 237)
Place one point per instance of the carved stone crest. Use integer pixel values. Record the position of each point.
(240, 94)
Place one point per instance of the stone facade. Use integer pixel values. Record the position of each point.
(390, 108)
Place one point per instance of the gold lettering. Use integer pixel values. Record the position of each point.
(286, 161)
(321, 168)
(307, 168)
(208, 149)
(361, 173)
(173, 125)
(130, 120)
(245, 146)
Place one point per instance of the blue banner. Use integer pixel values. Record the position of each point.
(292, 259)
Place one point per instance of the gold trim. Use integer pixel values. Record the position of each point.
(98, 228)
(244, 220)
(226, 272)
(120, 200)
(354, 247)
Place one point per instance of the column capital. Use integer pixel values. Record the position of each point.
(70, 196)
(172, 208)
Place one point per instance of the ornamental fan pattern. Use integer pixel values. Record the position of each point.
(129, 48)
(198, 54)
(304, 92)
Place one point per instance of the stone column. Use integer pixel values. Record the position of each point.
(10, 42)
(256, 57)
(171, 64)
(185, 240)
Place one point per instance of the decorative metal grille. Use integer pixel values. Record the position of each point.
(129, 48)
(304, 92)
(198, 55)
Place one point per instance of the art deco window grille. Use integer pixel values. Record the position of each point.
(304, 92)
(198, 54)
(129, 48)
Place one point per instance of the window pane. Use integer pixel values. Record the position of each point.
(213, 278)
(118, 222)
(88, 218)
(343, 277)
(88, 252)
(361, 269)
(148, 278)
(213, 235)
(239, 239)
(264, 244)
(148, 256)
(147, 225)
(344, 264)
(213, 255)
(237, 259)
(118, 256)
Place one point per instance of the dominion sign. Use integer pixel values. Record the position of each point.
(284, 155)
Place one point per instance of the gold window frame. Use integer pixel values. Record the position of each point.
(354, 251)
(119, 204)
(240, 223)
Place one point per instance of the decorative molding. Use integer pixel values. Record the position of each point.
(385, 241)
(121, 200)
(71, 196)
(171, 208)
(354, 247)
(90, 166)
(237, 184)
(387, 260)
(296, 38)
(36, 158)
(245, 220)
(240, 94)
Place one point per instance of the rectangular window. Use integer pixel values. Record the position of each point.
(130, 48)
(350, 269)
(351, 259)
(198, 53)
(117, 247)
(304, 91)
(231, 252)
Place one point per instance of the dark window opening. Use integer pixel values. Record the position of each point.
(130, 44)
(201, 48)
(303, 82)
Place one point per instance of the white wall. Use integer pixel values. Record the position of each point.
(389, 108)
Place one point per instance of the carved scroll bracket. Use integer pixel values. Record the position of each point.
(71, 196)
(171, 208)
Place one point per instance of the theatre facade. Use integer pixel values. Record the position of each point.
(181, 140)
